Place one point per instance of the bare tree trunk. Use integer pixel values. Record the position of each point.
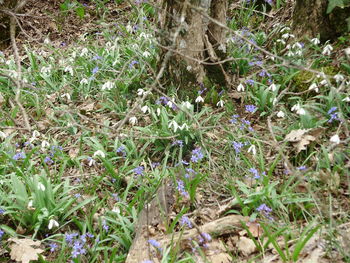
(5, 19)
(310, 19)
(199, 40)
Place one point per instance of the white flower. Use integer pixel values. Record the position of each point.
(347, 52)
(186, 104)
(290, 54)
(324, 82)
(174, 125)
(30, 205)
(146, 54)
(327, 50)
(84, 81)
(272, 87)
(145, 109)
(170, 104)
(281, 41)
(339, 77)
(240, 87)
(47, 41)
(99, 153)
(252, 149)
(108, 85)
(140, 92)
(183, 126)
(116, 210)
(133, 120)
(199, 99)
(3, 135)
(69, 69)
(46, 70)
(129, 28)
(91, 162)
(335, 139)
(314, 87)
(298, 109)
(66, 95)
(286, 35)
(315, 41)
(84, 52)
(35, 134)
(346, 99)
(285, 29)
(274, 101)
(280, 114)
(41, 187)
(220, 103)
(53, 223)
(158, 111)
(189, 68)
(44, 144)
(297, 45)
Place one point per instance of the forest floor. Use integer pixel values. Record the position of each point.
(254, 172)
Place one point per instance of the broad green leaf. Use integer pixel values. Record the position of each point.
(333, 4)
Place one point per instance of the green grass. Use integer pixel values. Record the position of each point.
(75, 169)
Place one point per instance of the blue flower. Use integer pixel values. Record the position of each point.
(19, 155)
(250, 82)
(95, 70)
(155, 243)
(139, 170)
(197, 155)
(53, 247)
(181, 188)
(2, 211)
(178, 142)
(2, 232)
(186, 221)
(121, 150)
(48, 160)
(255, 173)
(134, 62)
(237, 146)
(250, 108)
(105, 226)
(264, 210)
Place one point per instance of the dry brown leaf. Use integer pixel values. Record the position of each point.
(73, 152)
(246, 246)
(220, 258)
(25, 250)
(302, 137)
(88, 107)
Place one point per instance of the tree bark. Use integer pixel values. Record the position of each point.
(310, 19)
(199, 40)
(5, 19)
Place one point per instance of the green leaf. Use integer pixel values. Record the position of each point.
(348, 21)
(80, 11)
(333, 4)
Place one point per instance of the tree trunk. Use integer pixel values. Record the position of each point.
(200, 40)
(310, 19)
(5, 19)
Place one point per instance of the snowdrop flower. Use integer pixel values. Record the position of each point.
(47, 41)
(174, 125)
(146, 54)
(140, 92)
(187, 104)
(339, 77)
(274, 101)
(84, 52)
(46, 70)
(108, 85)
(84, 81)
(272, 87)
(170, 104)
(298, 109)
(116, 210)
(199, 99)
(35, 134)
(285, 36)
(133, 120)
(69, 69)
(314, 87)
(324, 82)
(52, 223)
(220, 103)
(44, 144)
(30, 205)
(66, 95)
(280, 114)
(346, 99)
(252, 149)
(91, 161)
(240, 87)
(290, 54)
(145, 109)
(281, 41)
(41, 187)
(183, 126)
(99, 153)
(158, 111)
(315, 41)
(335, 139)
(285, 29)
(297, 45)
(3, 135)
(327, 50)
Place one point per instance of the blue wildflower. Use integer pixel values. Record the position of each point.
(264, 210)
(197, 155)
(2, 211)
(186, 221)
(250, 108)
(181, 188)
(53, 246)
(255, 173)
(139, 170)
(237, 146)
(132, 63)
(48, 160)
(178, 142)
(18, 156)
(121, 150)
(2, 232)
(155, 244)
(95, 70)
(250, 82)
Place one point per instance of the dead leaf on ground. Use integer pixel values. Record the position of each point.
(246, 246)
(303, 137)
(25, 250)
